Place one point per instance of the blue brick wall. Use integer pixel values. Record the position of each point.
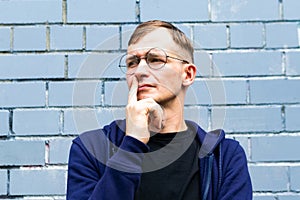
(59, 77)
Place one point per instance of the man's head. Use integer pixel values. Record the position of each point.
(176, 72)
(177, 35)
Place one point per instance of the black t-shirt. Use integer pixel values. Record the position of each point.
(171, 169)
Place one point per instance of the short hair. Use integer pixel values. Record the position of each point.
(177, 35)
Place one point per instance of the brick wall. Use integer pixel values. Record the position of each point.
(58, 77)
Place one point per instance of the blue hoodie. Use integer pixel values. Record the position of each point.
(105, 164)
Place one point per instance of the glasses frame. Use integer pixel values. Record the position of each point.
(146, 56)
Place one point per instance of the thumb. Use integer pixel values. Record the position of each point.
(156, 118)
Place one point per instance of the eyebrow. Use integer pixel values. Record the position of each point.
(138, 52)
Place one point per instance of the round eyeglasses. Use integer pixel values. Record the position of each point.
(156, 58)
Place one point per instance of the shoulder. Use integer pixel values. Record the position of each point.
(110, 131)
(232, 154)
(101, 138)
(216, 142)
(209, 141)
(231, 146)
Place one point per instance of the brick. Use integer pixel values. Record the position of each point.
(247, 64)
(203, 62)
(101, 11)
(288, 197)
(276, 148)
(66, 37)
(291, 10)
(282, 35)
(31, 66)
(127, 31)
(102, 38)
(295, 182)
(59, 150)
(30, 11)
(4, 122)
(37, 182)
(198, 115)
(94, 65)
(211, 92)
(116, 93)
(30, 38)
(20, 94)
(81, 120)
(4, 39)
(197, 10)
(293, 63)
(262, 91)
(292, 116)
(247, 119)
(210, 36)
(17, 152)
(264, 198)
(107, 115)
(223, 10)
(3, 182)
(36, 122)
(246, 35)
(75, 93)
(269, 178)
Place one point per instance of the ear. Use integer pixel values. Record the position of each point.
(189, 74)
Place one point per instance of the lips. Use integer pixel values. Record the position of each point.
(145, 87)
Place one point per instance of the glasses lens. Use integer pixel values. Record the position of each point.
(128, 63)
(156, 58)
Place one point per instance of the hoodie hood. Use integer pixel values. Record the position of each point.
(208, 140)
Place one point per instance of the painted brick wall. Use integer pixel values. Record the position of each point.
(59, 77)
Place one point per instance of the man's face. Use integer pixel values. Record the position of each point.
(165, 84)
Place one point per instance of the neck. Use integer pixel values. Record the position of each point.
(174, 120)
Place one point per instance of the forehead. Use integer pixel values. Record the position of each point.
(160, 38)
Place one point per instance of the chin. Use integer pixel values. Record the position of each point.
(140, 97)
(145, 96)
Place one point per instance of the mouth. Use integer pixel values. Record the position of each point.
(142, 87)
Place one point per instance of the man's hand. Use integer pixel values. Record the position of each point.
(142, 116)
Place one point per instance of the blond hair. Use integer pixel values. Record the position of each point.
(177, 35)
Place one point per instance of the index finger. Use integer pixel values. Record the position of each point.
(132, 95)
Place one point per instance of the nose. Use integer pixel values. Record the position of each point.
(142, 68)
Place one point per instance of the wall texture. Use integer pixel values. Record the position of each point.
(59, 77)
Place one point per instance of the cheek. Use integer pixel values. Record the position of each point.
(172, 81)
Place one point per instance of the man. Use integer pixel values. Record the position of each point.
(155, 153)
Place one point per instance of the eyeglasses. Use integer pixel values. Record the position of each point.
(156, 58)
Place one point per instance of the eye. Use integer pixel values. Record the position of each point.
(155, 59)
(132, 62)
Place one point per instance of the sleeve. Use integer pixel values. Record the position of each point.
(89, 179)
(236, 182)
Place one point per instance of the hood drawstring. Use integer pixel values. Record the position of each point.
(208, 173)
